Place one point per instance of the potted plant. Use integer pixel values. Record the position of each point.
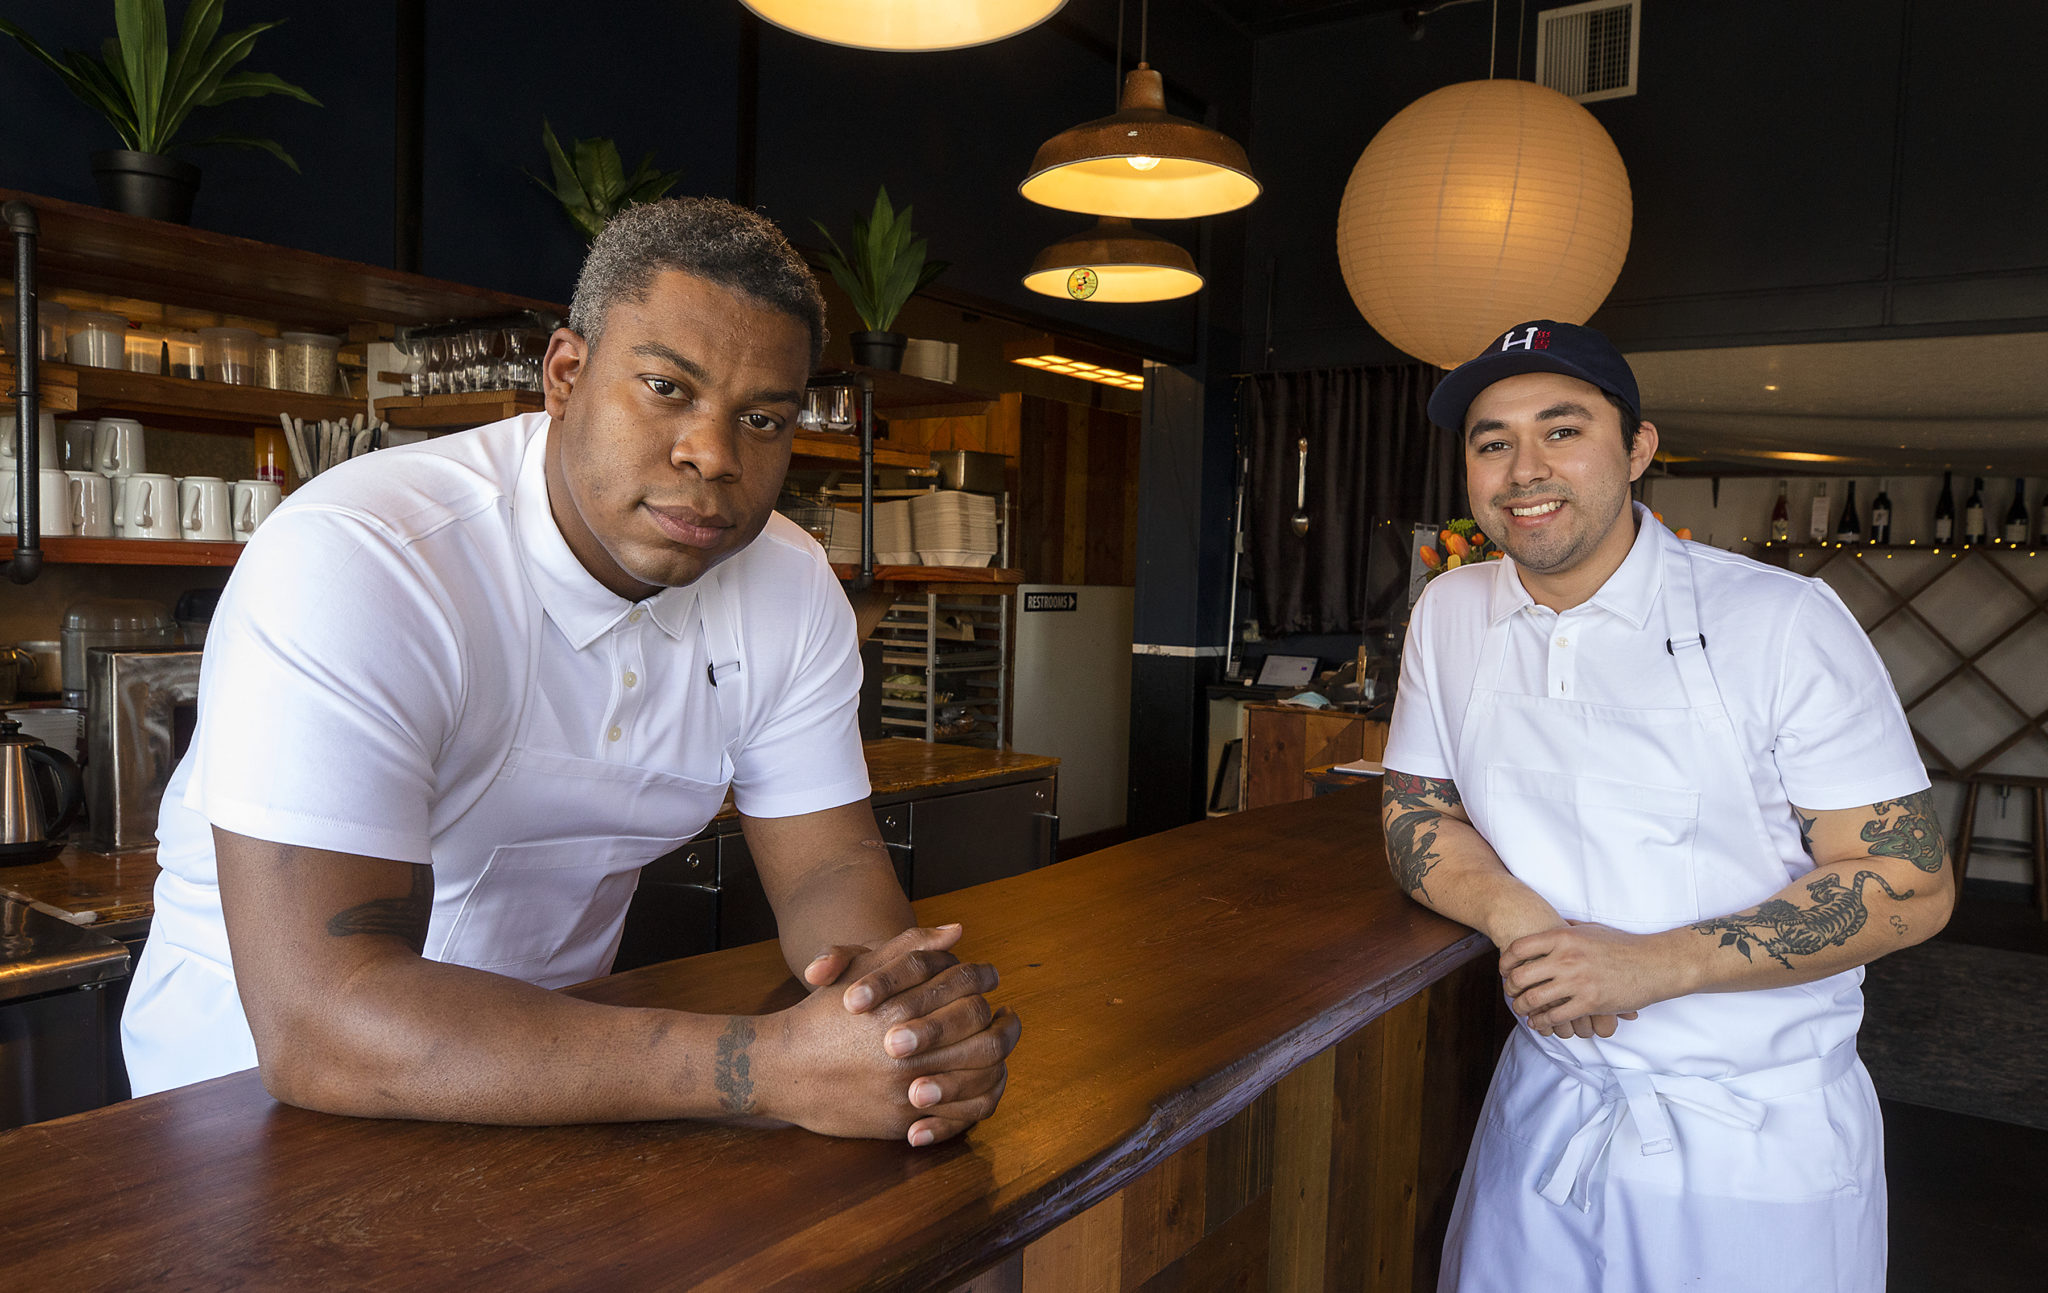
(887, 268)
(146, 88)
(594, 186)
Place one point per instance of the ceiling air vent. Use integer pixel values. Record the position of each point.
(1588, 51)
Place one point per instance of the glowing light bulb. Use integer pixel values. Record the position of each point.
(1140, 162)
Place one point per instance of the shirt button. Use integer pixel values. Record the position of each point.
(631, 677)
(1564, 641)
(634, 618)
(614, 734)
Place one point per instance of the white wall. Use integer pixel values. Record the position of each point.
(1968, 602)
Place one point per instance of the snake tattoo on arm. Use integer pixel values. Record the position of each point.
(1411, 836)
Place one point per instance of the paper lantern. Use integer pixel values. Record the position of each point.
(1479, 206)
(908, 25)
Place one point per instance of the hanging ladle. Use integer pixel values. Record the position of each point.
(1301, 488)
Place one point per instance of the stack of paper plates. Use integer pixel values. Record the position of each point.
(954, 528)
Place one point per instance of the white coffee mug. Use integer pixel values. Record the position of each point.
(53, 500)
(203, 509)
(46, 439)
(148, 507)
(92, 505)
(75, 438)
(254, 501)
(117, 447)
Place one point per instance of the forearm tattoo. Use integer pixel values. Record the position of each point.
(404, 918)
(1914, 835)
(1411, 837)
(1805, 830)
(734, 1081)
(1784, 930)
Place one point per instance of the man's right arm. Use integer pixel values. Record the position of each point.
(1443, 862)
(349, 1017)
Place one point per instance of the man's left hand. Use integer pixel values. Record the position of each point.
(1560, 975)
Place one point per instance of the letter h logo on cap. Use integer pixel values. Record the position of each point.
(1531, 338)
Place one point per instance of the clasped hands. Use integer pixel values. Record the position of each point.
(897, 1039)
(1580, 979)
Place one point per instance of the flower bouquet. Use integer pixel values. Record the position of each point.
(1462, 543)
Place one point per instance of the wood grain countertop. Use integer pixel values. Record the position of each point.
(1163, 984)
(118, 889)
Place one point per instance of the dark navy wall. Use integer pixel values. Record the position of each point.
(1819, 170)
(952, 134)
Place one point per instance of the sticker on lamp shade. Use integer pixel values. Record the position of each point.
(1081, 284)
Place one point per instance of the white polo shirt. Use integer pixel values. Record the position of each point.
(399, 622)
(1813, 707)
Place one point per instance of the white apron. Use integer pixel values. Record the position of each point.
(532, 881)
(1720, 1141)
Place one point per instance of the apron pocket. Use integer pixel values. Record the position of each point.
(1598, 849)
(550, 911)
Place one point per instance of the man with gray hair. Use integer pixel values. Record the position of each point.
(456, 695)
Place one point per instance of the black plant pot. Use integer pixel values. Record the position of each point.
(879, 349)
(146, 184)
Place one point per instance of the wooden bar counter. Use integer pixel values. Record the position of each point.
(1248, 1061)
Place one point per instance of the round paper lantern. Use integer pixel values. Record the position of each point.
(1479, 206)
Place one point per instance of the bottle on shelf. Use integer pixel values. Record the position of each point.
(1781, 517)
(1849, 529)
(1945, 512)
(1881, 515)
(2016, 527)
(1817, 528)
(1973, 515)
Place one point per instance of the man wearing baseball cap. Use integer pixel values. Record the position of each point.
(1675, 788)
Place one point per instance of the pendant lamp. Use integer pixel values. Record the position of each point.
(1141, 162)
(1114, 261)
(1478, 206)
(906, 25)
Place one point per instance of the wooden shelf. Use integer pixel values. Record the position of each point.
(825, 448)
(130, 552)
(456, 412)
(897, 391)
(57, 383)
(116, 392)
(972, 579)
(90, 249)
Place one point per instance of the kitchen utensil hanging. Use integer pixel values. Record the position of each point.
(1301, 488)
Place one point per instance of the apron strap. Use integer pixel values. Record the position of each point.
(1738, 1102)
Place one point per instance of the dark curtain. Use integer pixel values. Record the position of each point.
(1372, 455)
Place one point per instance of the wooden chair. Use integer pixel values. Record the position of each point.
(1966, 832)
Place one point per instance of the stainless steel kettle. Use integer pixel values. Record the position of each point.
(40, 794)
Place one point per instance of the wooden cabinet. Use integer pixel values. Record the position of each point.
(1282, 742)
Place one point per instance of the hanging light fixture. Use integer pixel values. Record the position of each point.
(906, 25)
(1141, 162)
(1114, 261)
(1477, 206)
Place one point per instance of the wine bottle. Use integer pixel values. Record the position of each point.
(1881, 516)
(1817, 528)
(1849, 529)
(1945, 512)
(1781, 517)
(2016, 527)
(1973, 515)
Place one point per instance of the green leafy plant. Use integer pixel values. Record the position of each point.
(888, 264)
(146, 88)
(593, 186)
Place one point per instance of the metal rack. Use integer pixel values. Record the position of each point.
(920, 634)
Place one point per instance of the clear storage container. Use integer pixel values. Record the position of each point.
(229, 355)
(97, 339)
(309, 362)
(145, 349)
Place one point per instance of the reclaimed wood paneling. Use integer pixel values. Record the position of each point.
(1077, 502)
(1282, 742)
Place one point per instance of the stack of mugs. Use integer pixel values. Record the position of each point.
(96, 485)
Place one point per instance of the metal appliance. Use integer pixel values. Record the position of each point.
(39, 796)
(59, 1052)
(141, 705)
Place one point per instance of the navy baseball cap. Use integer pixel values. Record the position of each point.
(1538, 346)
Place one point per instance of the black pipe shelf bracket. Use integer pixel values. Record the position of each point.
(27, 561)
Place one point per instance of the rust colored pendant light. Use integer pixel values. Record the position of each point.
(1141, 162)
(1114, 261)
(906, 25)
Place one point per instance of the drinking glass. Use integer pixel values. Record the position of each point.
(839, 410)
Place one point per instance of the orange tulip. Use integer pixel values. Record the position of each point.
(1456, 545)
(1685, 532)
(1430, 559)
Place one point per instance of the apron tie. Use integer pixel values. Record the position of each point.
(1638, 1094)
